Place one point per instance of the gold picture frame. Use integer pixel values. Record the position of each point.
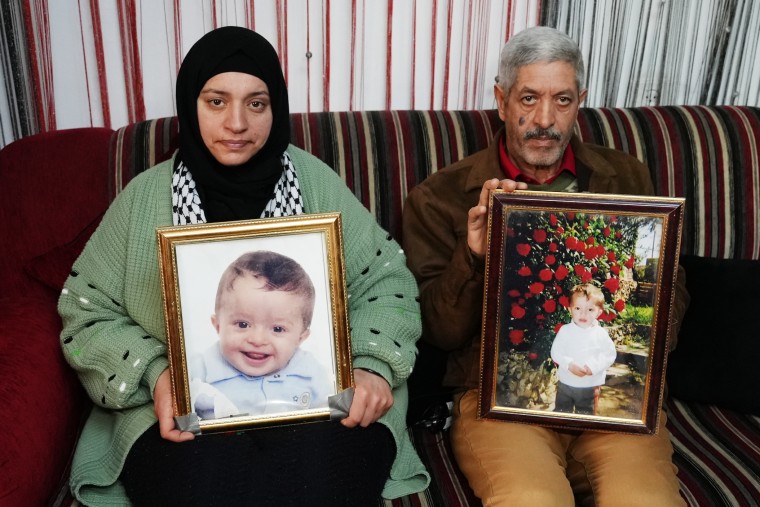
(233, 366)
(620, 253)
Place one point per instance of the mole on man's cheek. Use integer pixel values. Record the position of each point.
(521, 121)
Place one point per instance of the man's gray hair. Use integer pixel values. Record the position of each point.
(536, 45)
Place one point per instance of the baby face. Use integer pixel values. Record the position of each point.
(259, 330)
(584, 312)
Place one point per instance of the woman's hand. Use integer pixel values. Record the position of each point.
(162, 403)
(372, 399)
(477, 216)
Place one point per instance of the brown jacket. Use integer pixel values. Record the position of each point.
(451, 281)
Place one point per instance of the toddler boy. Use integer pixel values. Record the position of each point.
(583, 350)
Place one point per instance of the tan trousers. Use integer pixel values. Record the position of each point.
(513, 464)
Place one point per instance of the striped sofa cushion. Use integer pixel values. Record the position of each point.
(138, 146)
(717, 452)
(360, 146)
(707, 154)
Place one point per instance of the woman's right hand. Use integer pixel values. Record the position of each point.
(162, 403)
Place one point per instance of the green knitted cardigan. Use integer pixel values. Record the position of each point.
(114, 335)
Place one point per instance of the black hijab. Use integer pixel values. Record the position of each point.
(232, 192)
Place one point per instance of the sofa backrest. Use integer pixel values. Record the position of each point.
(380, 155)
(50, 184)
(708, 154)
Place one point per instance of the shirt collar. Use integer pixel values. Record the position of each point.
(513, 172)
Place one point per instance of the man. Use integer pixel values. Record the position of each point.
(539, 91)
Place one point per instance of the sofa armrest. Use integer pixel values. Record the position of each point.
(43, 406)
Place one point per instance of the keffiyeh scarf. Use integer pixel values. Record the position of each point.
(187, 208)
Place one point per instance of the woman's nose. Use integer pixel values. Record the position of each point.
(236, 119)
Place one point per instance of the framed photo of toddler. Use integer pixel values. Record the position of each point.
(256, 321)
(577, 306)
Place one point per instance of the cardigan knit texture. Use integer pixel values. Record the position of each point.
(114, 329)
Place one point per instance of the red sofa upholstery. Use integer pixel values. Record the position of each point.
(55, 186)
(52, 188)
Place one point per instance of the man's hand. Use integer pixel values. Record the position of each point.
(477, 217)
(162, 404)
(372, 399)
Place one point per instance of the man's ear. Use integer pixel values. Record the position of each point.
(582, 96)
(501, 101)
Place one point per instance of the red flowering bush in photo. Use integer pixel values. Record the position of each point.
(545, 255)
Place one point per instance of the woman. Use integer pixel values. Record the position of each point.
(234, 162)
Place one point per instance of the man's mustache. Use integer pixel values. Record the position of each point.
(543, 133)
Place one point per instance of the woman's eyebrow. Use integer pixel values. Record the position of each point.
(216, 91)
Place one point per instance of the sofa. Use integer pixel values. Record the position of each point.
(56, 185)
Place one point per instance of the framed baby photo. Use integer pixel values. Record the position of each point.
(256, 321)
(578, 297)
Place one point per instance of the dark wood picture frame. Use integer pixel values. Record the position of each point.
(542, 244)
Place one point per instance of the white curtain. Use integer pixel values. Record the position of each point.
(115, 61)
(665, 52)
(111, 62)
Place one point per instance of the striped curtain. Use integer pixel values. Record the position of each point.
(665, 52)
(19, 97)
(110, 63)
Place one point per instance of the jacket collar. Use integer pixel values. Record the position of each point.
(598, 179)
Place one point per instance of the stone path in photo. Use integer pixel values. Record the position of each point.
(622, 395)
